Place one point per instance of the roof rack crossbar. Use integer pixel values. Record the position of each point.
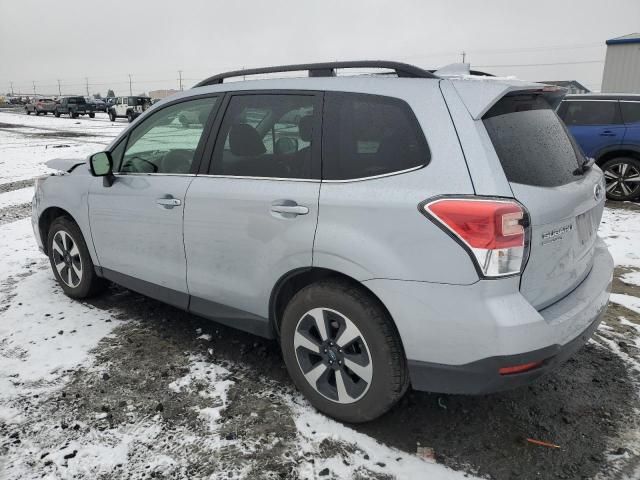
(327, 69)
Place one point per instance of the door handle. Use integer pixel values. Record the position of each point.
(608, 133)
(290, 209)
(169, 202)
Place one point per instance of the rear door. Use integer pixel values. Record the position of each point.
(631, 117)
(250, 217)
(541, 163)
(595, 124)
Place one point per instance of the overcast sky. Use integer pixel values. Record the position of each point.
(153, 39)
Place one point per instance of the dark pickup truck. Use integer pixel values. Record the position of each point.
(73, 106)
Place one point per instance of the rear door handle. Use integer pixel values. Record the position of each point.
(169, 202)
(608, 133)
(290, 209)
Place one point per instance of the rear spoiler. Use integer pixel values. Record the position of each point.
(479, 94)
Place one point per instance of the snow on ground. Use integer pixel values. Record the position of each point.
(28, 142)
(620, 229)
(16, 197)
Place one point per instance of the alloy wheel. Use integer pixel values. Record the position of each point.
(333, 355)
(66, 258)
(622, 179)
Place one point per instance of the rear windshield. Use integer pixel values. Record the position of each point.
(532, 143)
(76, 100)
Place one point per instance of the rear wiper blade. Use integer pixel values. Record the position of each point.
(587, 164)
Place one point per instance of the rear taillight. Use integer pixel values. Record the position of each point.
(493, 231)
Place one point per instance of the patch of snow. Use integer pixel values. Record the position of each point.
(632, 278)
(16, 197)
(627, 301)
(620, 229)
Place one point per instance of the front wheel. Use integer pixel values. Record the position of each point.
(92, 115)
(130, 117)
(28, 111)
(622, 177)
(343, 352)
(70, 260)
(57, 114)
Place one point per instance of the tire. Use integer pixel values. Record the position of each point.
(74, 285)
(376, 345)
(622, 177)
(37, 112)
(92, 115)
(56, 113)
(112, 116)
(73, 114)
(28, 111)
(130, 117)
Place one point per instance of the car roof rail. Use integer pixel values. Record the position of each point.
(327, 69)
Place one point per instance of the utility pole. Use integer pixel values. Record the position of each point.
(180, 78)
(86, 81)
(59, 89)
(130, 88)
(34, 88)
(11, 88)
(464, 56)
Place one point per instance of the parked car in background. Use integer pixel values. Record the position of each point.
(98, 104)
(40, 106)
(73, 106)
(348, 218)
(128, 107)
(607, 128)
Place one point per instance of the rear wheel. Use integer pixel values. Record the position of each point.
(73, 114)
(130, 116)
(343, 352)
(112, 116)
(28, 111)
(622, 177)
(92, 115)
(56, 113)
(70, 260)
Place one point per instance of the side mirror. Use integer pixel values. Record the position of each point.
(101, 165)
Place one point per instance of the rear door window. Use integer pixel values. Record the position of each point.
(531, 142)
(368, 135)
(592, 112)
(630, 111)
(268, 135)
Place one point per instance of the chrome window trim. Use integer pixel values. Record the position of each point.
(117, 174)
(629, 101)
(314, 180)
(592, 100)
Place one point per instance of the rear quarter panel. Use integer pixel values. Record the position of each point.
(373, 228)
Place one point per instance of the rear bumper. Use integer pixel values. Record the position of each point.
(456, 337)
(482, 376)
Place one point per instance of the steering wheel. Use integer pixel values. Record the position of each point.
(129, 163)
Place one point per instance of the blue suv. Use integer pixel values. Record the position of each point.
(607, 128)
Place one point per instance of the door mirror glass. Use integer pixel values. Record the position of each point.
(101, 164)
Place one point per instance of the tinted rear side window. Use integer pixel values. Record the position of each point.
(368, 135)
(597, 112)
(531, 142)
(630, 112)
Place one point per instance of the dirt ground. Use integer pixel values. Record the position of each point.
(588, 407)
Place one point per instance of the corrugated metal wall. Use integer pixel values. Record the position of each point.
(622, 69)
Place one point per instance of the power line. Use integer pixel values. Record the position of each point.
(538, 64)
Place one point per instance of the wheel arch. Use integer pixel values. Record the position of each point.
(607, 154)
(46, 219)
(295, 280)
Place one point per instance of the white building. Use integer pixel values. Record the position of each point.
(622, 65)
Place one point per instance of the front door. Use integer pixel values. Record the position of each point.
(252, 217)
(136, 223)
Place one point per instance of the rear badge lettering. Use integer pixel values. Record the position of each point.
(556, 234)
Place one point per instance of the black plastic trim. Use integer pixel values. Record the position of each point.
(326, 69)
(482, 376)
(217, 312)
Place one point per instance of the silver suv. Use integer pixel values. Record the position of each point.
(389, 231)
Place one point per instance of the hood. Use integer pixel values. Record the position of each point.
(64, 164)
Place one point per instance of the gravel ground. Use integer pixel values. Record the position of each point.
(164, 394)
